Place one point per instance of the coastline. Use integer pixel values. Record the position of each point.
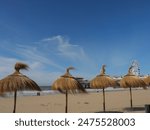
(52, 92)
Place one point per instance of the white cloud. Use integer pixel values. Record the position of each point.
(35, 72)
(33, 53)
(6, 65)
(65, 48)
(44, 78)
(43, 58)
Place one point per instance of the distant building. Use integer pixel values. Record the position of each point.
(85, 83)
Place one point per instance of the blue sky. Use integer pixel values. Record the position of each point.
(51, 35)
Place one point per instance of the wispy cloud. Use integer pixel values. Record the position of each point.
(34, 53)
(6, 65)
(45, 58)
(65, 48)
(36, 71)
(49, 57)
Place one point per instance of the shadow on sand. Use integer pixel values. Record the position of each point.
(129, 109)
(109, 112)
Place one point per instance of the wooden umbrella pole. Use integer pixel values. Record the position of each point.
(131, 97)
(66, 109)
(103, 99)
(15, 98)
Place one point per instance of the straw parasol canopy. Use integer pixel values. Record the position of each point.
(67, 83)
(131, 81)
(17, 81)
(147, 80)
(103, 81)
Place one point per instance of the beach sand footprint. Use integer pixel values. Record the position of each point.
(86, 102)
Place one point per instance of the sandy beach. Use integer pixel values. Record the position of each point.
(116, 101)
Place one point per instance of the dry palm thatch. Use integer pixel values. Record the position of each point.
(147, 80)
(67, 83)
(17, 81)
(131, 81)
(103, 81)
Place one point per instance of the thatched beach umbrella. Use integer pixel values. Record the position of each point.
(147, 80)
(17, 81)
(67, 83)
(131, 81)
(102, 81)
